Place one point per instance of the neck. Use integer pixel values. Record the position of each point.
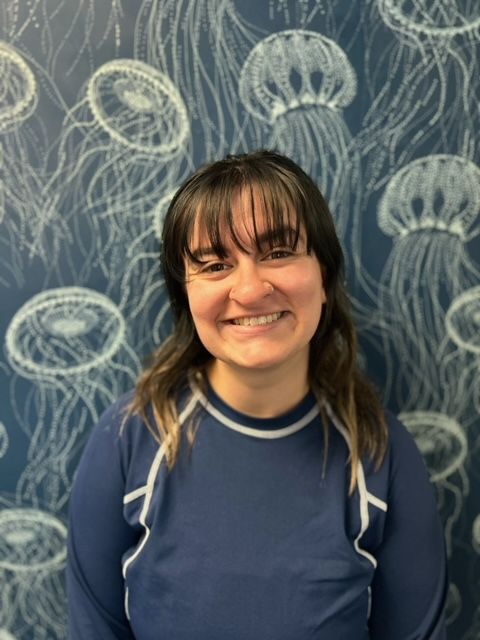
(260, 393)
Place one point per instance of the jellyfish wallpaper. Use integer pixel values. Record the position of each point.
(107, 106)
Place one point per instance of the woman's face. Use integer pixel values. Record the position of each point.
(255, 309)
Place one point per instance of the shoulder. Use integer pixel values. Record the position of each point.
(117, 414)
(118, 437)
(118, 455)
(402, 475)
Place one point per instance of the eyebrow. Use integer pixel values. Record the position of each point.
(268, 237)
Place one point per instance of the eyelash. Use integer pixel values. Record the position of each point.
(280, 253)
(275, 254)
(210, 268)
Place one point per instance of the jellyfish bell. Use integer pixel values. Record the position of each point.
(295, 68)
(18, 89)
(31, 541)
(431, 20)
(57, 323)
(462, 320)
(139, 107)
(440, 440)
(65, 331)
(437, 192)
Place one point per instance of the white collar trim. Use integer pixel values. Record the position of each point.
(266, 434)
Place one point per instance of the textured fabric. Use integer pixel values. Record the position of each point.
(250, 536)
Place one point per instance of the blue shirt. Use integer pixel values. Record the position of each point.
(251, 536)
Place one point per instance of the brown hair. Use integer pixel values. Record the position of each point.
(284, 189)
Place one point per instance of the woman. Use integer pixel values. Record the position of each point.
(252, 487)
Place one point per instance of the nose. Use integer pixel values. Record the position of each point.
(249, 287)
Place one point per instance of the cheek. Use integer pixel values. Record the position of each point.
(194, 302)
(309, 288)
(313, 299)
(201, 303)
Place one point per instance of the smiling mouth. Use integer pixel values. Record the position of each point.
(254, 321)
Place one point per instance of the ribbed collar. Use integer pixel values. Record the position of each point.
(269, 428)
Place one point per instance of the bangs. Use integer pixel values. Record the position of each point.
(224, 211)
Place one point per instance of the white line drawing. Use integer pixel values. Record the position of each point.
(32, 558)
(462, 324)
(297, 82)
(453, 605)
(443, 19)
(299, 14)
(93, 144)
(138, 107)
(4, 440)
(69, 344)
(473, 632)
(30, 231)
(150, 322)
(444, 446)
(121, 147)
(438, 192)
(49, 29)
(20, 182)
(19, 90)
(201, 44)
(462, 320)
(476, 534)
(422, 84)
(421, 81)
(430, 207)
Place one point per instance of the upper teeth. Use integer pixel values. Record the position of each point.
(253, 321)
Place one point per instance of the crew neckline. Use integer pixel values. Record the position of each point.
(268, 428)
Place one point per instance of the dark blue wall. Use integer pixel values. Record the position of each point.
(105, 107)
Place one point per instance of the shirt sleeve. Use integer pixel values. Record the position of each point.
(410, 582)
(98, 537)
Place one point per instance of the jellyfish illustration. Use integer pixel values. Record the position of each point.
(430, 208)
(463, 320)
(473, 632)
(443, 444)
(19, 95)
(122, 147)
(421, 83)
(147, 307)
(139, 107)
(431, 19)
(32, 559)
(20, 181)
(461, 351)
(297, 82)
(201, 45)
(95, 27)
(476, 534)
(4, 440)
(453, 606)
(69, 349)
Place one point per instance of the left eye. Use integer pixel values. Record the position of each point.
(278, 254)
